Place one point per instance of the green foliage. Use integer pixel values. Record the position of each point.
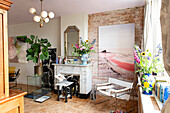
(86, 47)
(147, 62)
(38, 49)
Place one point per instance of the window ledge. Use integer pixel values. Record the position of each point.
(148, 103)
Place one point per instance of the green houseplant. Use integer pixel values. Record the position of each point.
(38, 51)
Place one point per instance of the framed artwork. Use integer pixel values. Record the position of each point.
(116, 57)
(17, 49)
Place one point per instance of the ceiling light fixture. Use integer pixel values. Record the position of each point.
(44, 17)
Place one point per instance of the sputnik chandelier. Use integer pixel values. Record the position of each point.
(44, 17)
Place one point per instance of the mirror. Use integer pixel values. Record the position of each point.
(71, 36)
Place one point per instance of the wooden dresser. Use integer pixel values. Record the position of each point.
(11, 101)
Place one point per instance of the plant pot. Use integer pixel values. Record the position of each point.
(148, 82)
(38, 70)
(84, 59)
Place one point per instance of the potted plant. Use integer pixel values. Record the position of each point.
(37, 52)
(83, 50)
(147, 63)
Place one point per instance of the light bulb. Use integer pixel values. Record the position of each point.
(51, 15)
(36, 18)
(46, 20)
(44, 14)
(32, 10)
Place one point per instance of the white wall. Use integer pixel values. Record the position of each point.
(79, 20)
(51, 31)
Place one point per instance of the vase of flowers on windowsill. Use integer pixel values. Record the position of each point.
(83, 50)
(146, 63)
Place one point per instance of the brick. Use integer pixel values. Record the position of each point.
(121, 16)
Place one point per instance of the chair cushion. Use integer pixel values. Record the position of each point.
(11, 71)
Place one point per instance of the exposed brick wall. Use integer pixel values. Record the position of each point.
(122, 16)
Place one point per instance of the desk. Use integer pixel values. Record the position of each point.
(83, 71)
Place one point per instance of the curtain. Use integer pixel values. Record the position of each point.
(148, 26)
(165, 25)
(152, 26)
(156, 24)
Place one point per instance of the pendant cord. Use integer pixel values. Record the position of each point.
(41, 5)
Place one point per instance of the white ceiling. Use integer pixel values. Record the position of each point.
(19, 12)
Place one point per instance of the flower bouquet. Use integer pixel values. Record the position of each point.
(83, 50)
(147, 63)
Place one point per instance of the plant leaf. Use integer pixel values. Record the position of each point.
(32, 37)
(30, 50)
(42, 57)
(28, 40)
(35, 60)
(48, 44)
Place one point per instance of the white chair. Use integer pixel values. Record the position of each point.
(110, 90)
(63, 84)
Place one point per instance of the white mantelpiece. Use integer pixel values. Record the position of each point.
(84, 71)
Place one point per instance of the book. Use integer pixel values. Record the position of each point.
(42, 99)
(164, 93)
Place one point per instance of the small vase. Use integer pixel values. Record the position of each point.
(148, 82)
(84, 59)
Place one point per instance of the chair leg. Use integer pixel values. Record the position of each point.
(133, 98)
(95, 89)
(77, 92)
(58, 96)
(74, 89)
(15, 83)
(70, 92)
(115, 101)
(65, 94)
(132, 102)
(95, 98)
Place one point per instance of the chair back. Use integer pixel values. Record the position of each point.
(121, 82)
(18, 73)
(11, 71)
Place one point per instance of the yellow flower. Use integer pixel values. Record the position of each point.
(143, 53)
(87, 41)
(153, 84)
(80, 54)
(146, 84)
(71, 45)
